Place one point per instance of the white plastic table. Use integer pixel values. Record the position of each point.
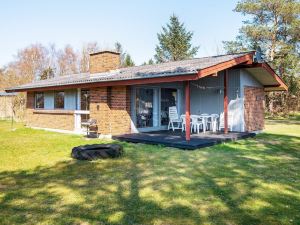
(205, 118)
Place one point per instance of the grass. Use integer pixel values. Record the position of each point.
(252, 181)
(294, 116)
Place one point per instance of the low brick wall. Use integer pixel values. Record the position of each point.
(54, 119)
(111, 107)
(254, 108)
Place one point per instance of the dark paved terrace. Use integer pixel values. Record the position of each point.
(177, 138)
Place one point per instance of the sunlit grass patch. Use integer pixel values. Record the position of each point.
(251, 181)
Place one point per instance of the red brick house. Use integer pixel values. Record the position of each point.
(136, 99)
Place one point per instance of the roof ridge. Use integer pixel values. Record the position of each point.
(184, 60)
(139, 66)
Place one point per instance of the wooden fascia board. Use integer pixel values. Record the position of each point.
(248, 59)
(266, 86)
(268, 68)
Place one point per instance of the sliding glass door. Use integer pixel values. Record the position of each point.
(151, 107)
(144, 107)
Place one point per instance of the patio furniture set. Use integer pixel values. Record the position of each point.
(212, 122)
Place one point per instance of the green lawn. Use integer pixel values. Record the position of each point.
(253, 181)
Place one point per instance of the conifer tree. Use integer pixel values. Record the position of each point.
(174, 42)
(128, 62)
(274, 26)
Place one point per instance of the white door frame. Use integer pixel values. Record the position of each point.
(156, 107)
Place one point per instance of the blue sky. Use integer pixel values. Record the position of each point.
(133, 23)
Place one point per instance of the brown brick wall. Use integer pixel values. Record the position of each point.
(55, 119)
(254, 108)
(113, 116)
(30, 100)
(104, 61)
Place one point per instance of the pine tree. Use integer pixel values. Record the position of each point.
(119, 48)
(174, 42)
(274, 25)
(150, 62)
(128, 62)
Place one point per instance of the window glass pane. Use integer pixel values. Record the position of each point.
(85, 100)
(168, 99)
(59, 100)
(39, 100)
(144, 107)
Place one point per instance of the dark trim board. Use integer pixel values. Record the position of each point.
(177, 139)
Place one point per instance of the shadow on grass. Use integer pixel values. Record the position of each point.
(254, 181)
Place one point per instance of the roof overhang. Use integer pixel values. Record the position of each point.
(263, 73)
(243, 60)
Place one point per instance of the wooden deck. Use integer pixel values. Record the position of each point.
(177, 138)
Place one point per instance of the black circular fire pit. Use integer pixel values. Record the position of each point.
(97, 151)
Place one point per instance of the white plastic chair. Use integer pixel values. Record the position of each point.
(230, 121)
(196, 123)
(214, 122)
(206, 120)
(174, 118)
(183, 124)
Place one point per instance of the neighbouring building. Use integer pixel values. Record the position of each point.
(6, 105)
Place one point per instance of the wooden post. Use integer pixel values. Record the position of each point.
(226, 102)
(187, 111)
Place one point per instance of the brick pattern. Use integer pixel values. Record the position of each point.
(30, 100)
(99, 109)
(36, 118)
(112, 115)
(104, 62)
(254, 108)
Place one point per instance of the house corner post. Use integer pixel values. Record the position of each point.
(226, 102)
(187, 111)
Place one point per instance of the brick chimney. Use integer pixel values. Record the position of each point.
(104, 61)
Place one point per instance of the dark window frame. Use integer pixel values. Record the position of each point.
(85, 104)
(56, 94)
(164, 107)
(36, 104)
